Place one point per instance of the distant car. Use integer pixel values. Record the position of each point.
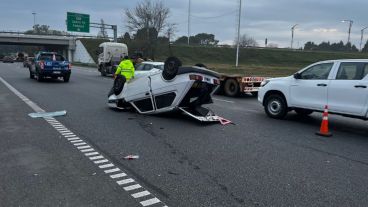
(340, 84)
(50, 64)
(27, 62)
(8, 59)
(147, 67)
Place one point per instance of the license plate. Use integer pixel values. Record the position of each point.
(56, 72)
(56, 68)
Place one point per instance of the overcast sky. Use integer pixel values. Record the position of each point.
(319, 20)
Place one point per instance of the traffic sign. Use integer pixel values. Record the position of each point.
(77, 22)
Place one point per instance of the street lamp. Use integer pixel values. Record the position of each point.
(292, 35)
(361, 37)
(34, 19)
(350, 24)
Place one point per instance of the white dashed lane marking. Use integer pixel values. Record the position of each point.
(115, 173)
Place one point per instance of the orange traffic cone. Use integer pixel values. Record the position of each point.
(324, 125)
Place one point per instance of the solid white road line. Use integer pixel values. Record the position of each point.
(74, 139)
(120, 175)
(126, 181)
(150, 202)
(141, 194)
(112, 170)
(132, 187)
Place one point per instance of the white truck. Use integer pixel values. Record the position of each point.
(339, 84)
(109, 56)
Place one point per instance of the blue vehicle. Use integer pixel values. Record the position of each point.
(49, 64)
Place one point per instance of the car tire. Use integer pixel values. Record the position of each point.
(39, 77)
(171, 68)
(275, 106)
(66, 78)
(103, 71)
(303, 112)
(231, 87)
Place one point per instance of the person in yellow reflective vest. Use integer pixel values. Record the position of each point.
(125, 68)
(124, 73)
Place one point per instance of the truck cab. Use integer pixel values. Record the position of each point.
(109, 56)
(339, 84)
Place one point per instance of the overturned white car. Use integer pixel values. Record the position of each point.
(175, 88)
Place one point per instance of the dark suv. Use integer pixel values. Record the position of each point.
(49, 64)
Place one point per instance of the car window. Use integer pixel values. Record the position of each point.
(365, 73)
(49, 57)
(148, 67)
(139, 67)
(160, 67)
(351, 71)
(317, 72)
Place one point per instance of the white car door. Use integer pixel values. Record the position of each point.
(348, 92)
(309, 90)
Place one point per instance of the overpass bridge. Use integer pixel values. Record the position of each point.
(67, 44)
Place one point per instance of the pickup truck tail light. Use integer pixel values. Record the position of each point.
(196, 77)
(42, 65)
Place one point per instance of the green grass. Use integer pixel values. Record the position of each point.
(262, 62)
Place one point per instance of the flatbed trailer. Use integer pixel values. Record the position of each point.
(234, 85)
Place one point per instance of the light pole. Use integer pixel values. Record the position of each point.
(34, 19)
(292, 35)
(350, 25)
(189, 21)
(361, 37)
(238, 38)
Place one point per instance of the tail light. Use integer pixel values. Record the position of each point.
(216, 81)
(69, 66)
(42, 65)
(196, 77)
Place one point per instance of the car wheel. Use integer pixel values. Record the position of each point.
(171, 67)
(231, 87)
(275, 106)
(303, 112)
(66, 78)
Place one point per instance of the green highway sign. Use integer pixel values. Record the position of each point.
(77, 22)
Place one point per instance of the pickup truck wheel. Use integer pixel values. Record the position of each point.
(231, 87)
(275, 106)
(66, 78)
(31, 75)
(303, 112)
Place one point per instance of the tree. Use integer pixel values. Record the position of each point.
(246, 41)
(204, 39)
(150, 18)
(44, 30)
(181, 40)
(102, 33)
(365, 48)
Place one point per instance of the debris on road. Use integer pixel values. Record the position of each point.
(131, 157)
(47, 114)
(224, 121)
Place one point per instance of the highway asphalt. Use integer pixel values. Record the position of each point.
(256, 162)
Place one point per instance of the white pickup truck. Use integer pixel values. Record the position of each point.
(340, 84)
